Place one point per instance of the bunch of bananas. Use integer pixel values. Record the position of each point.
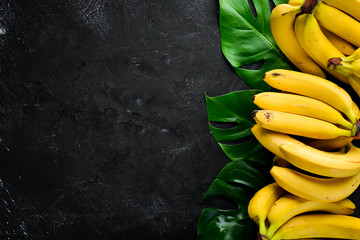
(282, 215)
(310, 32)
(309, 125)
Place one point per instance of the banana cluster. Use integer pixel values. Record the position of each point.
(310, 32)
(282, 215)
(309, 125)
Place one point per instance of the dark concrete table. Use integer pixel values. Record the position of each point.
(103, 130)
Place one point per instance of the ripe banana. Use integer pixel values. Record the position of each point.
(282, 20)
(330, 164)
(351, 7)
(261, 202)
(315, 188)
(299, 125)
(311, 86)
(328, 144)
(315, 43)
(319, 226)
(297, 104)
(338, 22)
(344, 46)
(290, 206)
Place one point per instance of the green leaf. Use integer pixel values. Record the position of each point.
(238, 181)
(217, 224)
(233, 108)
(246, 40)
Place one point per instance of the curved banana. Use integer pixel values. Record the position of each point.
(330, 164)
(315, 43)
(351, 7)
(344, 46)
(319, 226)
(315, 188)
(282, 20)
(338, 22)
(301, 105)
(311, 86)
(261, 202)
(290, 206)
(328, 144)
(299, 125)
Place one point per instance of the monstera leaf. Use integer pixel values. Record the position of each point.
(238, 181)
(233, 109)
(246, 40)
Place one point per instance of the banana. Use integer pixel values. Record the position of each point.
(315, 188)
(344, 46)
(338, 22)
(297, 104)
(290, 206)
(351, 7)
(299, 125)
(311, 86)
(328, 144)
(315, 43)
(261, 202)
(281, 22)
(310, 159)
(319, 225)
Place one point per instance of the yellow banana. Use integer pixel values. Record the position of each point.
(311, 86)
(338, 22)
(261, 202)
(344, 46)
(315, 43)
(328, 144)
(319, 225)
(282, 27)
(315, 188)
(310, 159)
(297, 104)
(290, 206)
(299, 125)
(351, 7)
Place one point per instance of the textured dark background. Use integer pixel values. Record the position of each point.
(103, 127)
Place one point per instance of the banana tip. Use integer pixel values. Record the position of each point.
(333, 62)
(253, 114)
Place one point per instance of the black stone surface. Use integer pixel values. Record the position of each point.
(103, 126)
